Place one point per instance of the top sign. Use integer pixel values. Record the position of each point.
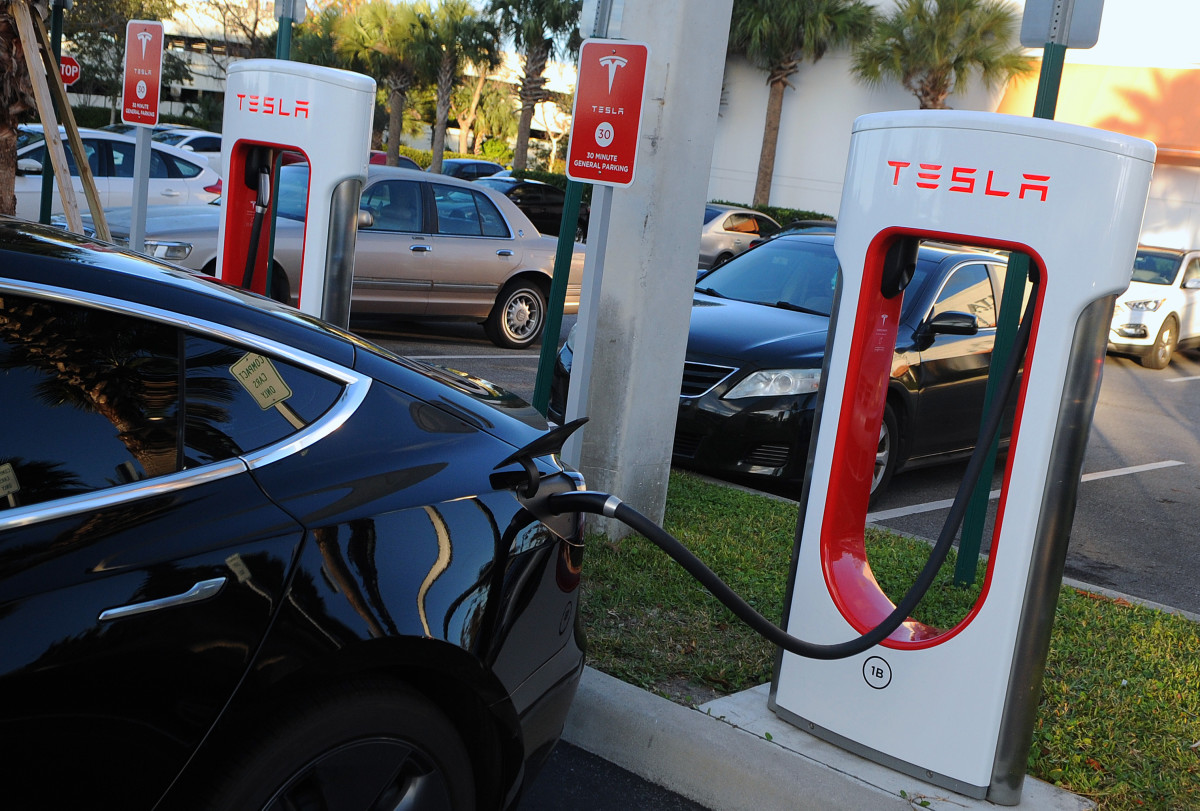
(1073, 23)
(69, 70)
(143, 72)
(608, 111)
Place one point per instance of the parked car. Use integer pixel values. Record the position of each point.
(757, 342)
(1160, 311)
(469, 168)
(379, 157)
(438, 248)
(253, 562)
(541, 202)
(176, 177)
(729, 230)
(199, 142)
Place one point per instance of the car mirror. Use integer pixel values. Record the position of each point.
(1192, 284)
(28, 166)
(952, 322)
(365, 218)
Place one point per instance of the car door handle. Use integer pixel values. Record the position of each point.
(201, 591)
(170, 193)
(504, 252)
(421, 248)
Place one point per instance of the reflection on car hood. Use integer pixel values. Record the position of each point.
(755, 334)
(163, 219)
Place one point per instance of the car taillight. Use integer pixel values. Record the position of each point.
(214, 188)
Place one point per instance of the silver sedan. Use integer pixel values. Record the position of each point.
(438, 248)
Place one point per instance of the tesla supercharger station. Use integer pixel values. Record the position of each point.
(956, 706)
(275, 106)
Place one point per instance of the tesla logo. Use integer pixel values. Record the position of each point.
(269, 105)
(144, 37)
(612, 63)
(968, 180)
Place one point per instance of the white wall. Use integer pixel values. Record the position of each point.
(1173, 211)
(814, 134)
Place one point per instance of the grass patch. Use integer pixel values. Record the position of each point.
(1120, 708)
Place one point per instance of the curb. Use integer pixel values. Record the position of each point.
(720, 756)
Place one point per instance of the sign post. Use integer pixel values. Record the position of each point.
(139, 105)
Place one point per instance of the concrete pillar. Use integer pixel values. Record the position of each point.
(640, 313)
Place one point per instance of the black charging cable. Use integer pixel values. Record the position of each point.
(613, 507)
(261, 203)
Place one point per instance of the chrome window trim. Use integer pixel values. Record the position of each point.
(355, 387)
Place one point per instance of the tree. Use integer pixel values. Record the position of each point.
(494, 117)
(540, 29)
(932, 47)
(460, 33)
(385, 40)
(464, 106)
(16, 100)
(778, 36)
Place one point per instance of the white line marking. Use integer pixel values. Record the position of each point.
(1182, 379)
(533, 357)
(932, 506)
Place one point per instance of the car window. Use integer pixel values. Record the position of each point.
(205, 144)
(95, 399)
(741, 223)
(466, 212)
(1155, 267)
(1192, 272)
(90, 147)
(969, 290)
(176, 167)
(801, 274)
(395, 205)
(766, 226)
(168, 137)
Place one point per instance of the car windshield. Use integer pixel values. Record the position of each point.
(168, 137)
(1155, 267)
(710, 213)
(292, 194)
(792, 274)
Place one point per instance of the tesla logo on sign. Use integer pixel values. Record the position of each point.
(143, 72)
(608, 112)
(969, 180)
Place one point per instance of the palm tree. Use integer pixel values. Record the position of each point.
(386, 41)
(933, 47)
(778, 36)
(16, 99)
(539, 29)
(459, 33)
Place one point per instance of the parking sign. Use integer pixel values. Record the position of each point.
(608, 111)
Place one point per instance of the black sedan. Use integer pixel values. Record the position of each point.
(249, 561)
(757, 343)
(541, 202)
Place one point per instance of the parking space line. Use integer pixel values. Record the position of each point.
(472, 357)
(933, 506)
(1182, 379)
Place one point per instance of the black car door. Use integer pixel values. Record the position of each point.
(952, 375)
(140, 564)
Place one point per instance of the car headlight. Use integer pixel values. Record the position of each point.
(776, 383)
(171, 251)
(1148, 305)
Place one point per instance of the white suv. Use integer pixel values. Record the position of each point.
(1160, 311)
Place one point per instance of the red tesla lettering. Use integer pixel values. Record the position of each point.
(994, 192)
(1042, 187)
(302, 107)
(933, 172)
(268, 104)
(897, 165)
(965, 176)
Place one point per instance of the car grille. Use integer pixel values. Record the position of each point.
(769, 456)
(685, 445)
(699, 378)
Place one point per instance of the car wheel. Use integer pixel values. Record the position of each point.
(1164, 345)
(722, 259)
(518, 317)
(886, 452)
(366, 747)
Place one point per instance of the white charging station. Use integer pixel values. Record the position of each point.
(273, 107)
(956, 706)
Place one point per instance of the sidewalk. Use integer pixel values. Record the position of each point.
(720, 756)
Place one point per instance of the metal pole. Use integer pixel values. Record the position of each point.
(558, 295)
(1015, 279)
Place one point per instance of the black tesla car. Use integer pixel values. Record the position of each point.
(249, 561)
(757, 342)
(541, 202)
